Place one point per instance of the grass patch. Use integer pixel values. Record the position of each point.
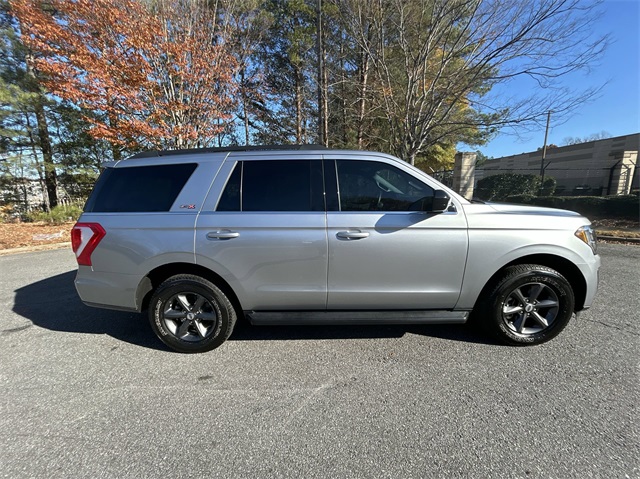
(58, 215)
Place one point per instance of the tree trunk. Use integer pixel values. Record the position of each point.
(320, 67)
(325, 101)
(364, 78)
(299, 81)
(50, 177)
(343, 99)
(115, 148)
(245, 112)
(39, 169)
(246, 123)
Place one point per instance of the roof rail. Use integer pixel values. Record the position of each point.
(152, 153)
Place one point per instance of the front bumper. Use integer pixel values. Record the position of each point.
(591, 272)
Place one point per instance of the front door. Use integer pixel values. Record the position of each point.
(383, 252)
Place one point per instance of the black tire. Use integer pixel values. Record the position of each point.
(190, 314)
(528, 304)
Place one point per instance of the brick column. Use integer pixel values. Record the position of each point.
(464, 174)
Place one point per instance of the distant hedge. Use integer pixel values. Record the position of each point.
(627, 206)
(499, 187)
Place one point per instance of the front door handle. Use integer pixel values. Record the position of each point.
(222, 234)
(357, 234)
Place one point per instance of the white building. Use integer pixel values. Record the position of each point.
(602, 167)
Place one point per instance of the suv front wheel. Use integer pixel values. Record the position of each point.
(190, 314)
(529, 304)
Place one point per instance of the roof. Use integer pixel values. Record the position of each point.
(226, 149)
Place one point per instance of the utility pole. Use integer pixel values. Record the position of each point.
(544, 152)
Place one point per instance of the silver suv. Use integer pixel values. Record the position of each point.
(314, 236)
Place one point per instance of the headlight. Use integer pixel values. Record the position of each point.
(586, 234)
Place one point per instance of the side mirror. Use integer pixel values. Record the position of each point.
(437, 203)
(440, 201)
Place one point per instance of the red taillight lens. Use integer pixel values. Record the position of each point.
(84, 239)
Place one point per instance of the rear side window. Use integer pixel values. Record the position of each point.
(139, 189)
(230, 199)
(274, 185)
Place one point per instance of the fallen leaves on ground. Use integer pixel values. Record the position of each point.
(617, 227)
(16, 235)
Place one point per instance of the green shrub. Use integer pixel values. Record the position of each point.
(499, 187)
(59, 214)
(548, 186)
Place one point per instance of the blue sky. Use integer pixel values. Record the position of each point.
(617, 108)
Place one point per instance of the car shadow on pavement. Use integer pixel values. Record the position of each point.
(460, 332)
(53, 304)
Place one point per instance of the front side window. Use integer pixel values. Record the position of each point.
(375, 186)
(274, 185)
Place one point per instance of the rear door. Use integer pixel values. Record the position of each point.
(383, 252)
(266, 233)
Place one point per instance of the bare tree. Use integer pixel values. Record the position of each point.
(249, 24)
(437, 64)
(574, 140)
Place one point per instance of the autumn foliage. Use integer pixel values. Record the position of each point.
(158, 73)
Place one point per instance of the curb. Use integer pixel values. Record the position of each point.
(31, 249)
(618, 239)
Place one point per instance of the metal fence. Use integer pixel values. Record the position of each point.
(566, 181)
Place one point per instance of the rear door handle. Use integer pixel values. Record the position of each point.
(357, 234)
(222, 234)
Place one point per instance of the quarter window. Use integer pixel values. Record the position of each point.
(139, 188)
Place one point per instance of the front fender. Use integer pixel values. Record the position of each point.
(491, 251)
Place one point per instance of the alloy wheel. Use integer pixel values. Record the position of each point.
(530, 308)
(189, 316)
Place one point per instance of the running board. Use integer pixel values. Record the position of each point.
(356, 317)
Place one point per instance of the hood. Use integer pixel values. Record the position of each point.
(531, 210)
(504, 216)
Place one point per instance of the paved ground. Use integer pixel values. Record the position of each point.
(90, 393)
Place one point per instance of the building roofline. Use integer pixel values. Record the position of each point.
(559, 149)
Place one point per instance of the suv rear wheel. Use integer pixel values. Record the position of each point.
(529, 304)
(190, 314)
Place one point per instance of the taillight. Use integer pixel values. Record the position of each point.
(84, 239)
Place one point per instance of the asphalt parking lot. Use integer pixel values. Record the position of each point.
(92, 393)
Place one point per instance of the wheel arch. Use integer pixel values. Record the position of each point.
(562, 265)
(158, 275)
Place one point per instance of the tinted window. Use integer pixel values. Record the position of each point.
(375, 186)
(230, 199)
(274, 185)
(139, 189)
(331, 186)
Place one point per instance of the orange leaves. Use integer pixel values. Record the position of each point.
(160, 78)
